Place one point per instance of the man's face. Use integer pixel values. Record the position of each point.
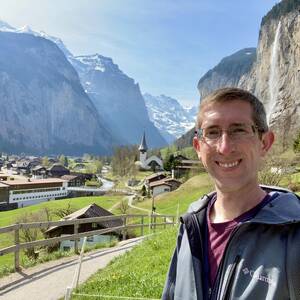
(232, 162)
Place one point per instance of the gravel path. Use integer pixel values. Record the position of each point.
(49, 281)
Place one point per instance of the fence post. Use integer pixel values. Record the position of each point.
(154, 221)
(124, 229)
(76, 240)
(142, 226)
(17, 243)
(165, 221)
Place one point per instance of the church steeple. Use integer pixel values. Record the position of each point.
(143, 146)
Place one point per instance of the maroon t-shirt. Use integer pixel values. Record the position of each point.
(219, 234)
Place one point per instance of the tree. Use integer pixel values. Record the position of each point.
(124, 207)
(45, 161)
(98, 166)
(123, 161)
(296, 145)
(64, 211)
(32, 234)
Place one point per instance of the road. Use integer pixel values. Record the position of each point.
(49, 281)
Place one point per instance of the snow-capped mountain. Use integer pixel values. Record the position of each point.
(116, 96)
(169, 116)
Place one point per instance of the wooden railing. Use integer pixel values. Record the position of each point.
(16, 228)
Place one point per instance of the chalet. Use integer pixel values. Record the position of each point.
(29, 192)
(155, 177)
(184, 165)
(90, 211)
(74, 180)
(57, 170)
(163, 186)
(39, 172)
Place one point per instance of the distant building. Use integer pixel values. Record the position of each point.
(152, 163)
(163, 186)
(74, 180)
(29, 192)
(39, 172)
(57, 170)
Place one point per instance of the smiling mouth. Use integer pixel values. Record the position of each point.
(228, 164)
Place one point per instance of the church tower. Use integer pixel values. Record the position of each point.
(143, 150)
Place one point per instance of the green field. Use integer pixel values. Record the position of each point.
(138, 273)
(10, 217)
(188, 192)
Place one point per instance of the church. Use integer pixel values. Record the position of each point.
(152, 163)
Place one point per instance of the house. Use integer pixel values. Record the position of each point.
(155, 177)
(163, 186)
(90, 211)
(57, 170)
(74, 180)
(184, 165)
(39, 172)
(153, 163)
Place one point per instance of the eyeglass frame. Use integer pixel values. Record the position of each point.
(254, 127)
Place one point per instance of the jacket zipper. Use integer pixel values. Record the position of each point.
(227, 290)
(217, 284)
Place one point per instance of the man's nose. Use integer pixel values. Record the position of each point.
(225, 144)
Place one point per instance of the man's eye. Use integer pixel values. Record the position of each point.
(238, 130)
(212, 133)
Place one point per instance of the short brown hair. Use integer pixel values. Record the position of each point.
(230, 94)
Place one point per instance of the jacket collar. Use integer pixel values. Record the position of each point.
(285, 208)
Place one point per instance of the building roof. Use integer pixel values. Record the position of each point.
(163, 181)
(158, 183)
(33, 181)
(69, 177)
(143, 145)
(91, 211)
(155, 175)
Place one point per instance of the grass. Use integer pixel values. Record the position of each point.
(188, 192)
(10, 217)
(138, 273)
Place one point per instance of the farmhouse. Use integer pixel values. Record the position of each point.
(163, 186)
(90, 211)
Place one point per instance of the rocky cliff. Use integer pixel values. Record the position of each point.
(272, 73)
(44, 108)
(117, 98)
(275, 76)
(228, 72)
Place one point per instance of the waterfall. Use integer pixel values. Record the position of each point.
(273, 77)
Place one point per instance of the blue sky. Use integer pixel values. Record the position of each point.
(165, 45)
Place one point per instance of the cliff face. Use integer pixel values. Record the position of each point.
(275, 76)
(118, 99)
(228, 72)
(44, 108)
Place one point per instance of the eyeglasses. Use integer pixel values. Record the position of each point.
(236, 132)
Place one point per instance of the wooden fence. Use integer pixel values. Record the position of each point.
(16, 228)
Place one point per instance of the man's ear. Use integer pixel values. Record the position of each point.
(196, 144)
(267, 140)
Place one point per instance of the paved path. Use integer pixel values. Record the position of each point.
(49, 281)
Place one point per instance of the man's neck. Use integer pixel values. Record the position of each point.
(230, 205)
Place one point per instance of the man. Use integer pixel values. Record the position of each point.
(243, 240)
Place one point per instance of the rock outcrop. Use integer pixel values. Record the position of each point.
(117, 98)
(275, 76)
(44, 109)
